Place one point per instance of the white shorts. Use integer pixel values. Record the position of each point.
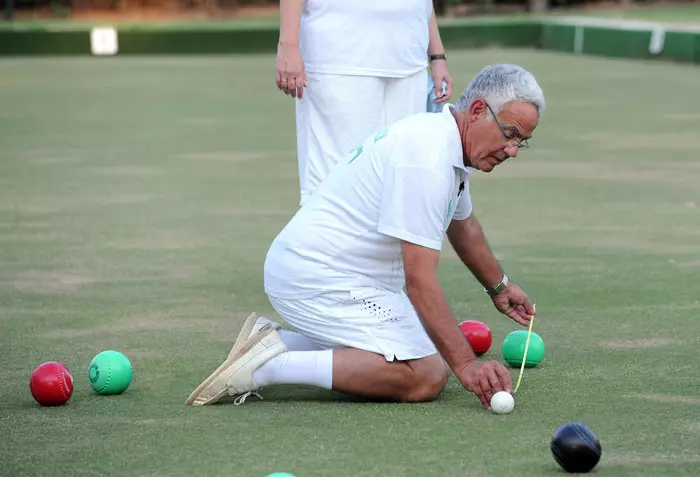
(338, 112)
(369, 319)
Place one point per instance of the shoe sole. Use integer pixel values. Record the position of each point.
(264, 331)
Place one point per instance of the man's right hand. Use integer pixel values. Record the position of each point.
(291, 77)
(485, 379)
(515, 304)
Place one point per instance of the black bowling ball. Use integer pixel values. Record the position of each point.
(576, 448)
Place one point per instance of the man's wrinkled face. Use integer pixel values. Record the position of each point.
(488, 143)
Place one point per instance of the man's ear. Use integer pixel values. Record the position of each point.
(476, 110)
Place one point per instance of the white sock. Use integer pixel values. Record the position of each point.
(314, 368)
(298, 342)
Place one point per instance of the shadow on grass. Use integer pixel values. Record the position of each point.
(297, 394)
(307, 394)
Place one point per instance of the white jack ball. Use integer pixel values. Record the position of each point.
(502, 403)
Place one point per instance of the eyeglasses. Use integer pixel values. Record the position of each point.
(514, 138)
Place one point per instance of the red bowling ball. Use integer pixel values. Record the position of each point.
(478, 335)
(51, 384)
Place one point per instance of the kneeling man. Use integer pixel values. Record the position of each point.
(355, 270)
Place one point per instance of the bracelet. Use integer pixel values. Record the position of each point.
(498, 288)
(438, 57)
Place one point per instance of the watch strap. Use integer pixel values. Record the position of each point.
(496, 289)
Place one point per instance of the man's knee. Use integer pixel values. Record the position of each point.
(428, 382)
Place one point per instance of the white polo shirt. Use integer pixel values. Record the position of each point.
(406, 183)
(387, 38)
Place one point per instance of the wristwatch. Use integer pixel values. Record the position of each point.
(496, 289)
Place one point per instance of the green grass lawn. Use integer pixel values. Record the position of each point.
(138, 197)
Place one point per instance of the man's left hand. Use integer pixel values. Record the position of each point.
(515, 304)
(438, 70)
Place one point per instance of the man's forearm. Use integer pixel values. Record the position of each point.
(290, 21)
(467, 238)
(430, 303)
(435, 46)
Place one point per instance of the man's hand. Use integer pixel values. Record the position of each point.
(515, 304)
(485, 379)
(291, 77)
(438, 70)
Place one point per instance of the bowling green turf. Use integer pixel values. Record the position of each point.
(138, 197)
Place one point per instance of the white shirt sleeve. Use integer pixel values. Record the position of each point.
(415, 205)
(464, 204)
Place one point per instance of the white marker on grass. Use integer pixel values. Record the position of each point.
(103, 41)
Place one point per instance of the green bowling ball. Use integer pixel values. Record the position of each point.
(110, 372)
(513, 349)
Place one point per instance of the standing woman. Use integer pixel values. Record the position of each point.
(354, 67)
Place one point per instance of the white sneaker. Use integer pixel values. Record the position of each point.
(252, 324)
(235, 375)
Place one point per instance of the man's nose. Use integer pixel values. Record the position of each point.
(511, 150)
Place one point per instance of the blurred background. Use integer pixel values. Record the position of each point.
(221, 9)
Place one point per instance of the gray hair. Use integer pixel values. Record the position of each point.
(501, 84)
